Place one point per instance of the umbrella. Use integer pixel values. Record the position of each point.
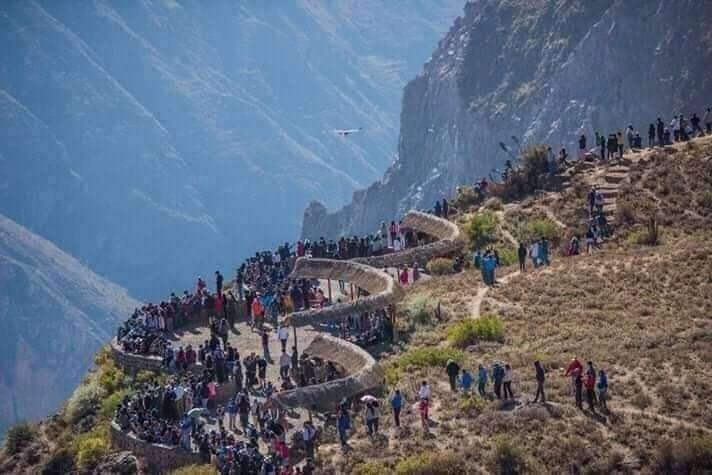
(368, 398)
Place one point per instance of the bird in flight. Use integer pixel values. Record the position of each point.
(347, 132)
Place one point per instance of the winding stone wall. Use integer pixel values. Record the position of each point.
(383, 290)
(448, 235)
(160, 458)
(364, 374)
(133, 363)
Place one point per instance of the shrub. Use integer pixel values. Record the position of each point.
(508, 458)
(90, 448)
(84, 401)
(195, 470)
(418, 310)
(20, 436)
(373, 467)
(530, 176)
(507, 255)
(440, 266)
(706, 200)
(541, 227)
(111, 378)
(60, 461)
(393, 375)
(465, 198)
(472, 404)
(446, 463)
(469, 332)
(481, 228)
(111, 402)
(429, 357)
(494, 204)
(686, 456)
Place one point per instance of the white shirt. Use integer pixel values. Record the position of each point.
(508, 374)
(283, 333)
(424, 392)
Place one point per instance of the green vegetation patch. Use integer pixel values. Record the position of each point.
(470, 332)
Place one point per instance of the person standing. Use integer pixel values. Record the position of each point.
(466, 381)
(308, 436)
(621, 143)
(708, 120)
(218, 282)
(540, 379)
(343, 424)
(482, 380)
(283, 335)
(695, 122)
(522, 254)
(445, 208)
(589, 383)
(284, 361)
(582, 146)
(507, 380)
(265, 345)
(371, 416)
(396, 406)
(651, 135)
(660, 129)
(675, 127)
(452, 369)
(603, 389)
(497, 377)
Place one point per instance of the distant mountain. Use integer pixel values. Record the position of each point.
(54, 315)
(540, 71)
(156, 140)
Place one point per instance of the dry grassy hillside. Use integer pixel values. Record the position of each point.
(642, 313)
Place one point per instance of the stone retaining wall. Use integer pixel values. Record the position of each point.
(383, 290)
(450, 240)
(159, 458)
(364, 375)
(132, 363)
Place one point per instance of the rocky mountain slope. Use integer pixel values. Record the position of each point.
(54, 315)
(155, 140)
(539, 71)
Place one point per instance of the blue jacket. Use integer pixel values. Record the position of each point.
(344, 423)
(603, 381)
(397, 401)
(466, 380)
(482, 376)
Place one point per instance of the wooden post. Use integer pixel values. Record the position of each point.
(329, 282)
(351, 286)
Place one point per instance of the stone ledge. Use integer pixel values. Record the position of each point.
(368, 376)
(159, 458)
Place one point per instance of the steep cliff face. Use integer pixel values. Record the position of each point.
(156, 140)
(539, 71)
(54, 315)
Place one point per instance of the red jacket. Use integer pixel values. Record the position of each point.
(574, 369)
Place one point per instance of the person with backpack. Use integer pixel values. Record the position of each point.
(497, 377)
(452, 369)
(603, 389)
(396, 406)
(482, 380)
(540, 377)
